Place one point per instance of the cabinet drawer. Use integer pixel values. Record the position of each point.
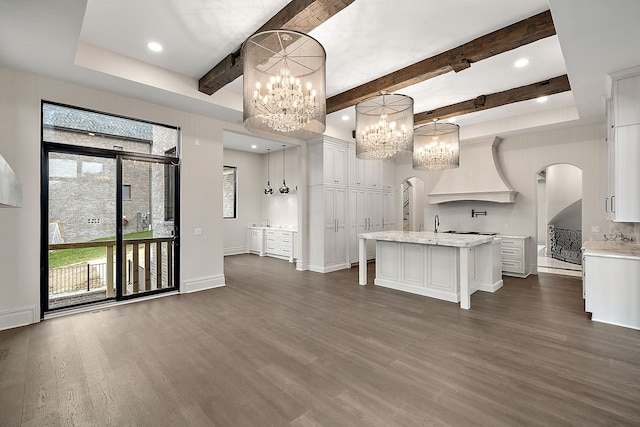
(511, 252)
(515, 266)
(512, 243)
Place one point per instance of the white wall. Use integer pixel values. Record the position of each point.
(250, 195)
(201, 205)
(282, 209)
(520, 157)
(542, 213)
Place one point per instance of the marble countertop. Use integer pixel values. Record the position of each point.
(259, 227)
(611, 248)
(429, 238)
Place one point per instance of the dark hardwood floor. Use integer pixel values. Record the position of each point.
(278, 347)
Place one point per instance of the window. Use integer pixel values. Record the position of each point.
(229, 187)
(126, 192)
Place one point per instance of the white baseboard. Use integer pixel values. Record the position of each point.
(302, 266)
(329, 269)
(202, 283)
(18, 317)
(491, 288)
(236, 250)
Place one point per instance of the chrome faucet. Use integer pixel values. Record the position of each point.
(436, 223)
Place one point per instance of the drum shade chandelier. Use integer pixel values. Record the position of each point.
(384, 127)
(436, 146)
(284, 84)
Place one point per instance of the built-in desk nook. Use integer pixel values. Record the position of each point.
(445, 266)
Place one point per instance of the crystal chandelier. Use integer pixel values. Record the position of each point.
(284, 106)
(284, 84)
(436, 146)
(384, 127)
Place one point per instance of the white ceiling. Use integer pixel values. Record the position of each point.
(102, 44)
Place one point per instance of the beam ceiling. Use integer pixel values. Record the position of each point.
(484, 102)
(298, 15)
(457, 59)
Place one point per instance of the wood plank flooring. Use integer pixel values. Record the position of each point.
(278, 347)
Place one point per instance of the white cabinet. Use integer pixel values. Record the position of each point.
(335, 242)
(515, 256)
(335, 164)
(256, 241)
(365, 215)
(364, 173)
(327, 162)
(611, 289)
(626, 93)
(279, 243)
(622, 202)
(388, 210)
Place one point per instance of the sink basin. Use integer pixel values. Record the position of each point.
(482, 233)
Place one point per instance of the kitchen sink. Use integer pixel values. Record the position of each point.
(482, 233)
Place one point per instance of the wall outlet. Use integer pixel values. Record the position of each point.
(197, 231)
(595, 228)
(197, 142)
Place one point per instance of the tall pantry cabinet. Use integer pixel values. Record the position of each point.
(622, 202)
(347, 196)
(328, 250)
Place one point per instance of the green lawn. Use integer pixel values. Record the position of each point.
(61, 258)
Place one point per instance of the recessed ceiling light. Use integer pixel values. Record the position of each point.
(156, 47)
(345, 117)
(254, 146)
(522, 62)
(542, 99)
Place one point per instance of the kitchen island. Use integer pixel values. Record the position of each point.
(445, 266)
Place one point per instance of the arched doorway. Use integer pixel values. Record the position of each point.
(559, 213)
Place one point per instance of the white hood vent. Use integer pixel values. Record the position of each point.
(477, 178)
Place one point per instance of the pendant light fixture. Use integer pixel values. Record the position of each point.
(284, 189)
(268, 189)
(284, 84)
(436, 146)
(384, 127)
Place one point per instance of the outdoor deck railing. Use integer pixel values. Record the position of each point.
(148, 265)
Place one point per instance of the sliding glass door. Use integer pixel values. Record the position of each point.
(109, 208)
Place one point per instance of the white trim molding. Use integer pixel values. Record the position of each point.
(202, 283)
(18, 317)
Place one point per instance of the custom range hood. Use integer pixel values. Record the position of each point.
(476, 179)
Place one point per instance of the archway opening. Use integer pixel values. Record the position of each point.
(559, 205)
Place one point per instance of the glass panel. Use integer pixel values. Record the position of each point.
(229, 185)
(82, 229)
(85, 128)
(147, 232)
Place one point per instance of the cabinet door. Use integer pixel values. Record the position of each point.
(388, 210)
(335, 164)
(626, 199)
(357, 176)
(356, 220)
(627, 98)
(335, 226)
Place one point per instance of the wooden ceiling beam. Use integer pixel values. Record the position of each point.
(298, 15)
(457, 59)
(484, 102)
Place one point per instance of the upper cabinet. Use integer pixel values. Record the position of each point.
(327, 163)
(627, 100)
(622, 202)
